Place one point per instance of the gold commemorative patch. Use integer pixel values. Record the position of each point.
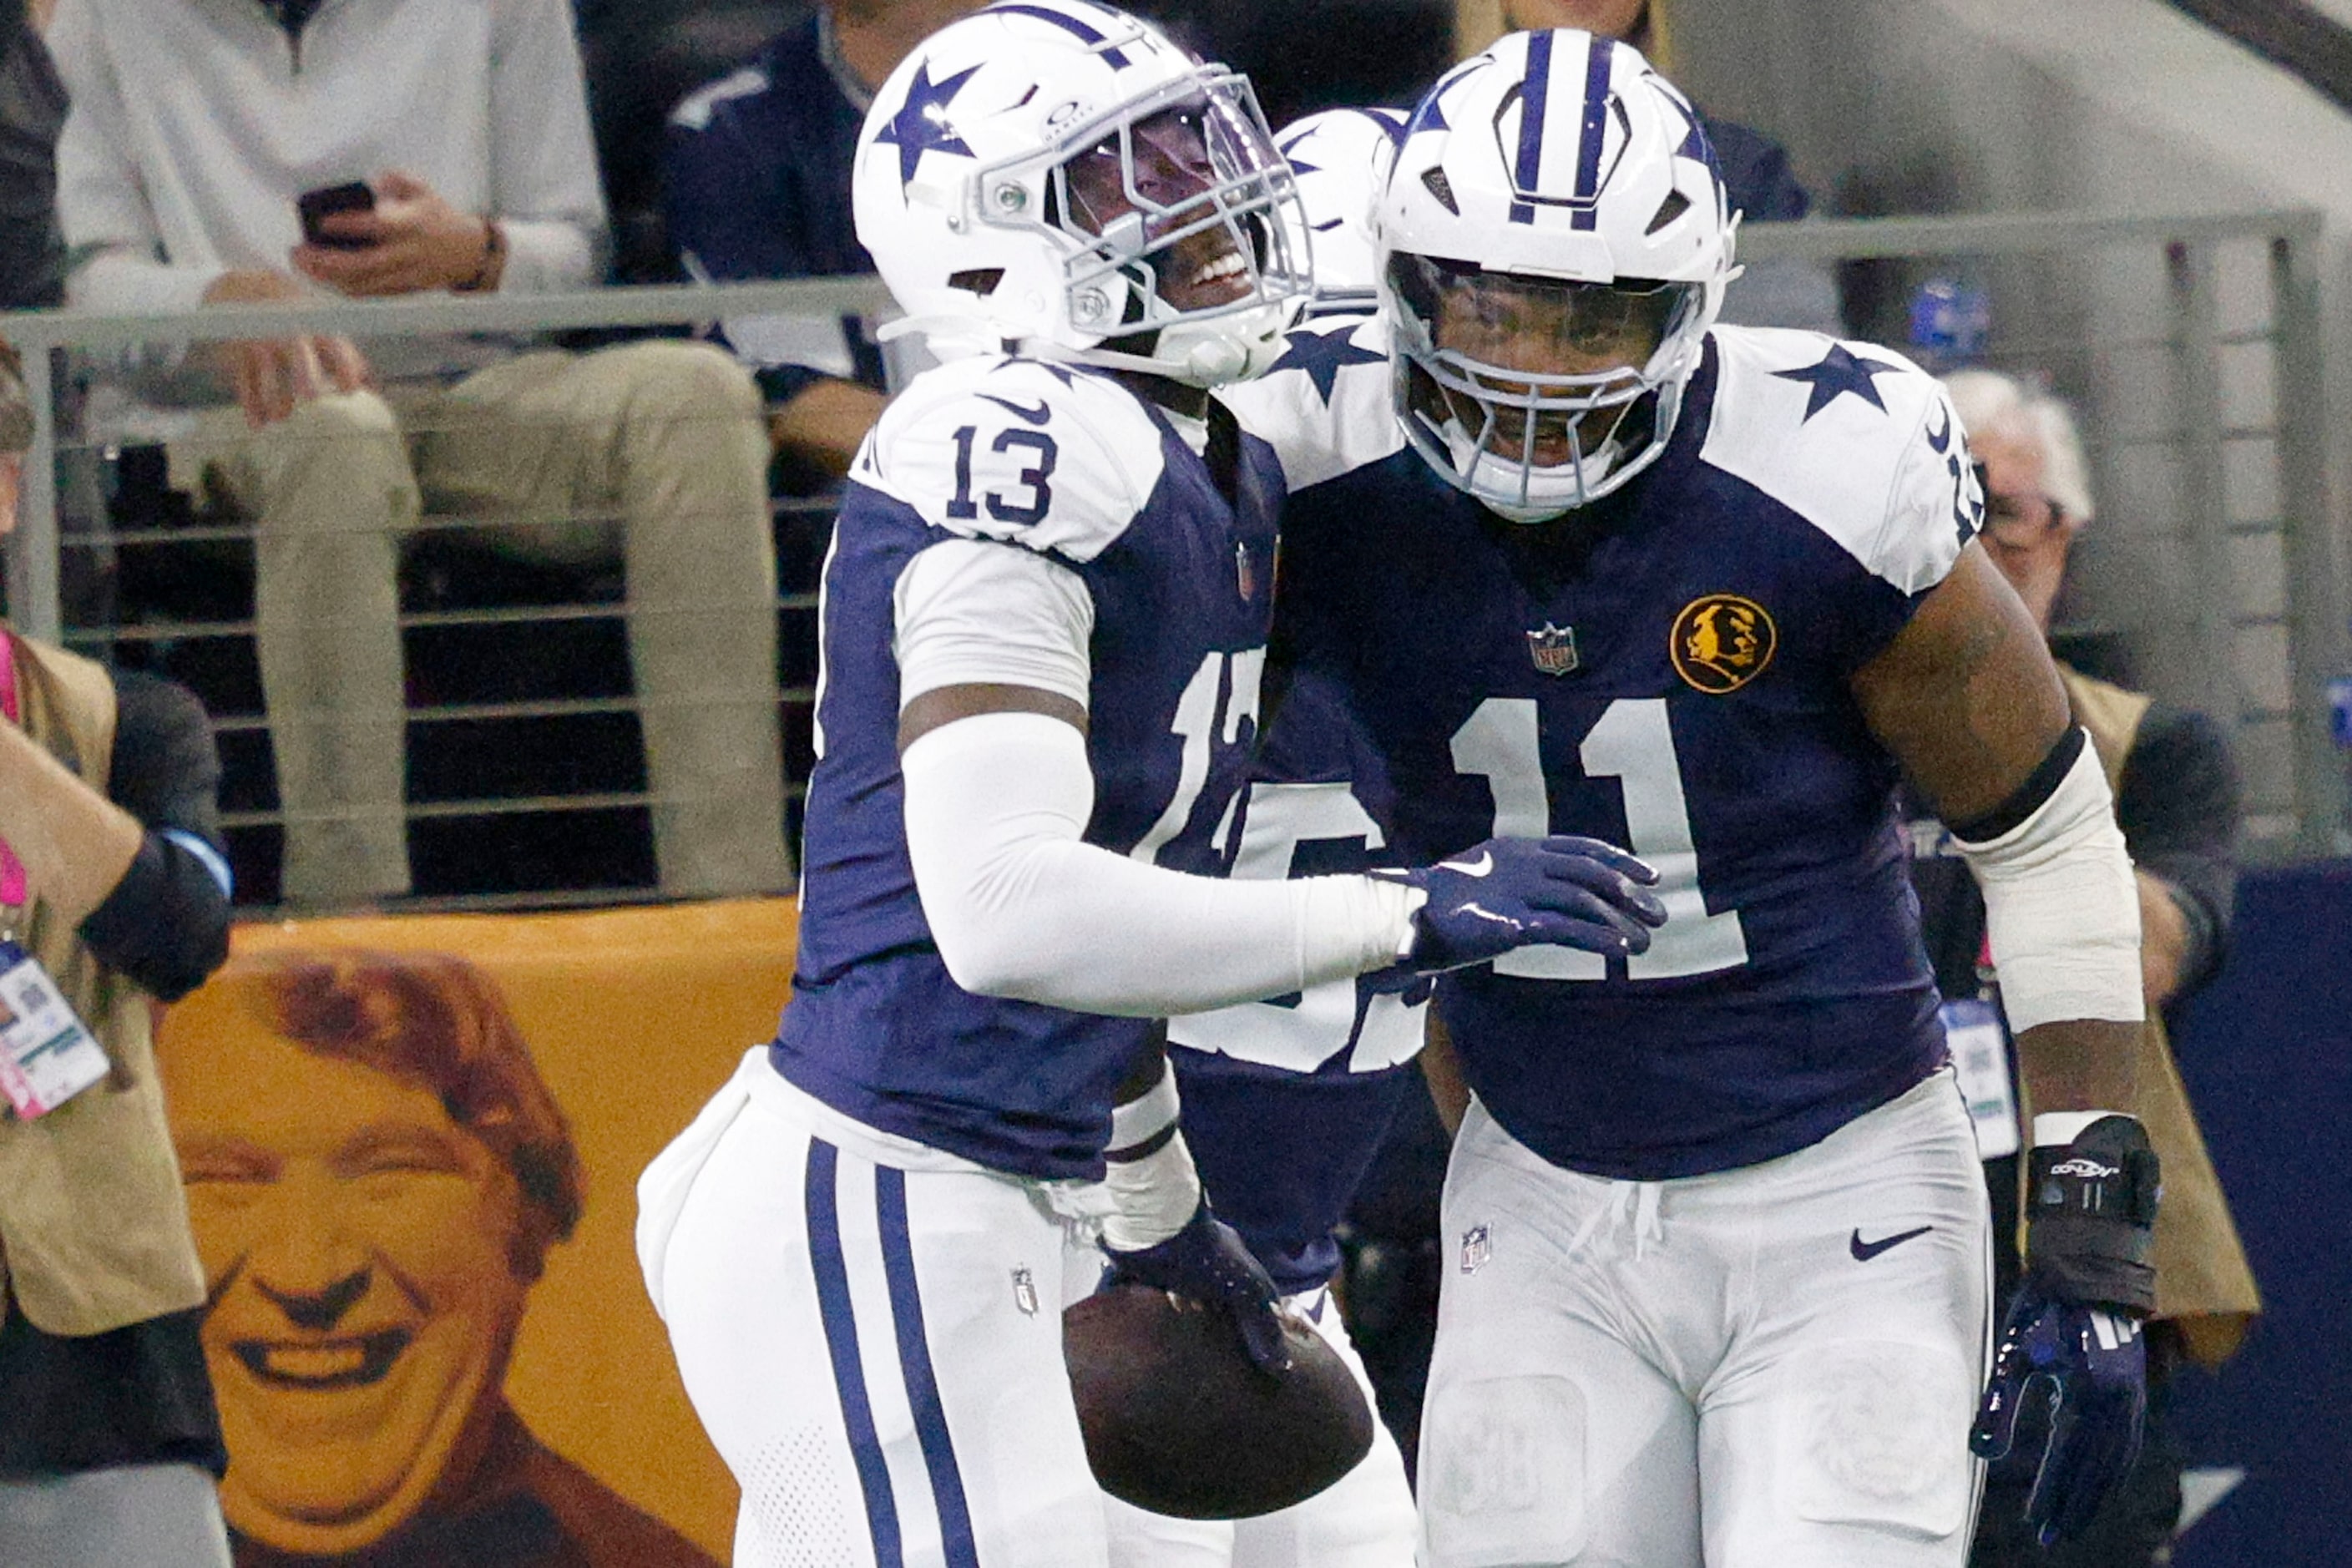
(1721, 642)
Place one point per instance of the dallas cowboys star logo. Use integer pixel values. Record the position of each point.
(921, 124)
(1322, 355)
(1839, 372)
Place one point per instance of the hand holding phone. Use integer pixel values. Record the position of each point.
(317, 207)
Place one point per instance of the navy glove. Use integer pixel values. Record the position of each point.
(1206, 1262)
(2072, 1343)
(2084, 1370)
(1510, 893)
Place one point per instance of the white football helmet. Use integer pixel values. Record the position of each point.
(1059, 177)
(1554, 244)
(1340, 160)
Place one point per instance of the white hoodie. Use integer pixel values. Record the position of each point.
(195, 123)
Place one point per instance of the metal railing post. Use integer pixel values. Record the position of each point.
(2204, 498)
(33, 548)
(2317, 637)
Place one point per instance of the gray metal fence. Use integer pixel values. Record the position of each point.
(2192, 347)
(73, 362)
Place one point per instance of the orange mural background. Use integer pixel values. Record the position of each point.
(632, 1017)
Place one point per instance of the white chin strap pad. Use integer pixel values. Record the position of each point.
(2062, 907)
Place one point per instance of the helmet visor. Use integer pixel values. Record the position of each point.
(1543, 329)
(1188, 202)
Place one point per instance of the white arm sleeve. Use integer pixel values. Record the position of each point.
(2062, 908)
(1019, 907)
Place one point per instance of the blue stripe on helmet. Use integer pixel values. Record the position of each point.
(1117, 60)
(1596, 122)
(1534, 94)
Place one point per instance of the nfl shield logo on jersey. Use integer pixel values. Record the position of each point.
(1476, 1248)
(1553, 649)
(1024, 1293)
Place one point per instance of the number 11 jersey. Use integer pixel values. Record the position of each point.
(1666, 669)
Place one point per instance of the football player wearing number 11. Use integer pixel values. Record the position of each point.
(1586, 562)
(1043, 621)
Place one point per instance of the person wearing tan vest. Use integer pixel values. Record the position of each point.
(2176, 800)
(113, 879)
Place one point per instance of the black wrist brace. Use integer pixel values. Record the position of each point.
(2090, 1212)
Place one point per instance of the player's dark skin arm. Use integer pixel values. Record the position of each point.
(1441, 1067)
(946, 704)
(1968, 699)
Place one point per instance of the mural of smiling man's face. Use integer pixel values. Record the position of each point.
(366, 1263)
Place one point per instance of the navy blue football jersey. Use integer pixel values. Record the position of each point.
(1667, 670)
(1285, 1100)
(1072, 466)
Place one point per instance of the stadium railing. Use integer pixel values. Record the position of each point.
(89, 375)
(2191, 344)
(2193, 347)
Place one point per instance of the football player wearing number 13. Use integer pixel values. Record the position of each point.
(1587, 564)
(1043, 620)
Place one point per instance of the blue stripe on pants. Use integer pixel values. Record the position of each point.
(841, 1340)
(915, 1361)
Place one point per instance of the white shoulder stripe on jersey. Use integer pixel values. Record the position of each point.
(1324, 406)
(1058, 460)
(1851, 436)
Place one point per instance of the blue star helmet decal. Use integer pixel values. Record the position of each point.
(1840, 372)
(1322, 355)
(921, 124)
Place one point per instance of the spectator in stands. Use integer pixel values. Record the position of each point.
(376, 1173)
(756, 176)
(1756, 169)
(32, 112)
(192, 131)
(114, 880)
(2177, 800)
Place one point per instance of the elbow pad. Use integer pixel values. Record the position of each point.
(2062, 908)
(165, 924)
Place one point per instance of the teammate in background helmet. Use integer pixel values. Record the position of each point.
(1585, 562)
(1045, 618)
(1285, 1102)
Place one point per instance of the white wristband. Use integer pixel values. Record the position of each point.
(2054, 1128)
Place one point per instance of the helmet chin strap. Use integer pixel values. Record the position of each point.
(1206, 353)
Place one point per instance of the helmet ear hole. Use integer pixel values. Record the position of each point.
(981, 280)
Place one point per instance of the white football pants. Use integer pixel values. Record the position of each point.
(1769, 1367)
(1364, 1519)
(871, 1333)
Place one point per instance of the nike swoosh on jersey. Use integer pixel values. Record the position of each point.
(1037, 415)
(1478, 868)
(1864, 1251)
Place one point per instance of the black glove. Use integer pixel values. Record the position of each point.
(2072, 1344)
(2084, 1370)
(1509, 893)
(1208, 1262)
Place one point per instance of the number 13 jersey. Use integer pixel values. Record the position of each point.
(980, 469)
(1666, 669)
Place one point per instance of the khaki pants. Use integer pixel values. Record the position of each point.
(133, 1516)
(652, 454)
